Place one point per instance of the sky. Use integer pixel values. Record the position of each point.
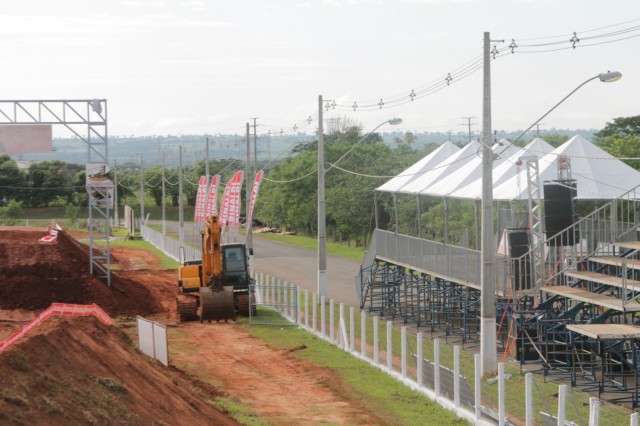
(193, 67)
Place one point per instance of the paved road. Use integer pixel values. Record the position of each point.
(295, 265)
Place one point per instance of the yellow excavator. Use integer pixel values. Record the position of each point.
(218, 286)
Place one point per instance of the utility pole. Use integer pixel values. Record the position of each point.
(247, 221)
(141, 192)
(255, 146)
(115, 194)
(488, 348)
(322, 224)
(206, 166)
(164, 211)
(469, 124)
(180, 204)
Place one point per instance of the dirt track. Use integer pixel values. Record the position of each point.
(275, 385)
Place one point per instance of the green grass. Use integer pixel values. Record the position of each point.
(334, 249)
(377, 392)
(241, 412)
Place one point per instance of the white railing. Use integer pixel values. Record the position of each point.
(168, 245)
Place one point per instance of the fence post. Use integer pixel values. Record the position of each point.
(562, 396)
(267, 279)
(390, 345)
(331, 330)
(456, 376)
(315, 304)
(528, 388)
(343, 344)
(478, 386)
(352, 329)
(419, 362)
(594, 411)
(279, 295)
(376, 320)
(285, 301)
(363, 333)
(436, 367)
(306, 309)
(323, 317)
(501, 408)
(403, 334)
(634, 419)
(272, 298)
(298, 307)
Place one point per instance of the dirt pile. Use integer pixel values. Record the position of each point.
(34, 275)
(79, 371)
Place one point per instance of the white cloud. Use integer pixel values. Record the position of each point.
(144, 4)
(193, 5)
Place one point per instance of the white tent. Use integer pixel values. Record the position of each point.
(470, 172)
(434, 158)
(504, 170)
(443, 169)
(599, 175)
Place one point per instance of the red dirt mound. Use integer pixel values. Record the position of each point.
(79, 371)
(33, 275)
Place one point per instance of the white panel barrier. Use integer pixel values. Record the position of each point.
(501, 396)
(352, 329)
(152, 340)
(528, 389)
(331, 331)
(562, 397)
(456, 376)
(403, 332)
(419, 358)
(436, 366)
(145, 337)
(363, 333)
(390, 345)
(160, 343)
(594, 411)
(376, 349)
(323, 325)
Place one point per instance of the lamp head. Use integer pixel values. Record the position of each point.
(395, 121)
(610, 76)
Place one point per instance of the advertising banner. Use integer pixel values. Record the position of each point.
(224, 207)
(212, 199)
(201, 195)
(254, 194)
(235, 202)
(99, 184)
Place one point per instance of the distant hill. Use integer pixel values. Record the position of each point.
(127, 150)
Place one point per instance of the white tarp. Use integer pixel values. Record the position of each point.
(599, 175)
(472, 170)
(434, 158)
(504, 170)
(458, 160)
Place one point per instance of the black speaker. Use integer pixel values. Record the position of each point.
(560, 211)
(519, 245)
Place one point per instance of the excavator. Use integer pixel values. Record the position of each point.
(218, 286)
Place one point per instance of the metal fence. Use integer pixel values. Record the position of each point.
(170, 246)
(277, 295)
(453, 263)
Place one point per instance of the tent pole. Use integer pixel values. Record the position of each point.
(419, 216)
(446, 220)
(375, 207)
(395, 210)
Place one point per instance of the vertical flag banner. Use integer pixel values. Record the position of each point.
(234, 202)
(254, 194)
(224, 207)
(212, 199)
(201, 198)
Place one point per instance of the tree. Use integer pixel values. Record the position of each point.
(621, 126)
(51, 181)
(12, 180)
(12, 211)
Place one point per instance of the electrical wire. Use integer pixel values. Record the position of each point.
(291, 180)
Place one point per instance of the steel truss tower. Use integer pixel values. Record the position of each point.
(87, 120)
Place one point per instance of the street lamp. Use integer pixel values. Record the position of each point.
(605, 77)
(322, 219)
(488, 350)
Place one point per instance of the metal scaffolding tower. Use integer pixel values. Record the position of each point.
(87, 120)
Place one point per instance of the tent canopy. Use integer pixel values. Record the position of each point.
(599, 175)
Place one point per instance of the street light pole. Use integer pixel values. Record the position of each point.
(488, 347)
(322, 229)
(322, 219)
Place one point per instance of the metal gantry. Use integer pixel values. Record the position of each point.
(87, 121)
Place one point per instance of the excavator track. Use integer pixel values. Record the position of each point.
(187, 308)
(242, 303)
(216, 303)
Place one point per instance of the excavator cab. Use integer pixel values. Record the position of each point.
(235, 270)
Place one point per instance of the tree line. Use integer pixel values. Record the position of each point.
(288, 197)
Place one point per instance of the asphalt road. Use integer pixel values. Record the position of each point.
(294, 265)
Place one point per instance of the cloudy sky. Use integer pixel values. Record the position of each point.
(194, 66)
